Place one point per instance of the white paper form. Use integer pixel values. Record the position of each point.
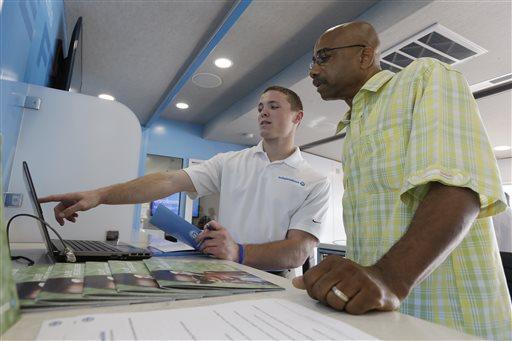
(268, 319)
(167, 246)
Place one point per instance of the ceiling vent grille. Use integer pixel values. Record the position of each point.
(491, 82)
(435, 42)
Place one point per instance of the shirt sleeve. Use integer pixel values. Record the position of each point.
(206, 176)
(311, 215)
(448, 142)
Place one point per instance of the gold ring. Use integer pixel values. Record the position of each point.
(340, 294)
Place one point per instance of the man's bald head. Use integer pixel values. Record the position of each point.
(344, 58)
(356, 32)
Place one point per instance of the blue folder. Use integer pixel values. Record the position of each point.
(176, 226)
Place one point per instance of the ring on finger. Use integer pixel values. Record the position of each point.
(340, 294)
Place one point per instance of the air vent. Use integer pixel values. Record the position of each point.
(491, 82)
(501, 79)
(206, 80)
(435, 42)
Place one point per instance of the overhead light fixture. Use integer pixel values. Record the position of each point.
(502, 148)
(182, 105)
(159, 129)
(223, 63)
(107, 97)
(248, 135)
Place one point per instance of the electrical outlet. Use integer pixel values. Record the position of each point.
(13, 199)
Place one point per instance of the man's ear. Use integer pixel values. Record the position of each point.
(367, 56)
(298, 117)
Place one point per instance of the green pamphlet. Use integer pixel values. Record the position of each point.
(65, 283)
(9, 305)
(171, 272)
(134, 277)
(98, 280)
(29, 282)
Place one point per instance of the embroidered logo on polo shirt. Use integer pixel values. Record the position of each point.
(302, 183)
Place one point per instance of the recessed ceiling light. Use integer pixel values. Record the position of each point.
(502, 148)
(106, 96)
(223, 63)
(159, 129)
(182, 105)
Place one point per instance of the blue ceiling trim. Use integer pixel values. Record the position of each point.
(229, 21)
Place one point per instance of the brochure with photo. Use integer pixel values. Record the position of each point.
(176, 226)
(65, 283)
(193, 273)
(134, 277)
(99, 282)
(29, 282)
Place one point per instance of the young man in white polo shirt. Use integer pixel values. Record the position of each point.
(272, 203)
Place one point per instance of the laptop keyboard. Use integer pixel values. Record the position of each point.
(90, 245)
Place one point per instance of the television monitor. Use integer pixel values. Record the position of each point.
(172, 202)
(65, 66)
(195, 208)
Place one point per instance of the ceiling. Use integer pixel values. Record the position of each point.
(137, 51)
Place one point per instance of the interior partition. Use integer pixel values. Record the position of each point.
(73, 143)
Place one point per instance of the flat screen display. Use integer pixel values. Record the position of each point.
(195, 208)
(172, 202)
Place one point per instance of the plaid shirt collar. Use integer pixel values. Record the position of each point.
(372, 85)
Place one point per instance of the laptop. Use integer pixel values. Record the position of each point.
(84, 250)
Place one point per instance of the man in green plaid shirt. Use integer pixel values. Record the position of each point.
(421, 184)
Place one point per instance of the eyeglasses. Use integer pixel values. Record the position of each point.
(322, 57)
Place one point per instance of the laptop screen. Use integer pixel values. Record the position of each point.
(37, 207)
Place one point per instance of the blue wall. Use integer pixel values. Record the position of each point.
(28, 34)
(177, 139)
(184, 140)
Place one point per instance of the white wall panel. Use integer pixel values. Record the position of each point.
(74, 143)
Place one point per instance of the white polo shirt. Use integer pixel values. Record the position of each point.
(261, 200)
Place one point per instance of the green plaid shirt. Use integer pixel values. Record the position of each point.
(403, 132)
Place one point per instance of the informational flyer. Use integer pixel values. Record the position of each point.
(266, 319)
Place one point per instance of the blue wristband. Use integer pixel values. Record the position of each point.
(240, 253)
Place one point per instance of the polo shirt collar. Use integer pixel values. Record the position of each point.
(373, 85)
(293, 160)
(377, 81)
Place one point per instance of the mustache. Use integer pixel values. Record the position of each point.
(318, 81)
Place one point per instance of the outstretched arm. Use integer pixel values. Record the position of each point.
(144, 189)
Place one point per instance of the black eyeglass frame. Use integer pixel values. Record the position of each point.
(321, 60)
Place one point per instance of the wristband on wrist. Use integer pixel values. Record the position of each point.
(241, 253)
